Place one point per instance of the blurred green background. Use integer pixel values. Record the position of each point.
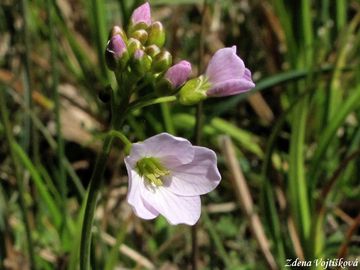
(288, 150)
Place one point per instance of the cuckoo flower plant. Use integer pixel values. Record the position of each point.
(167, 175)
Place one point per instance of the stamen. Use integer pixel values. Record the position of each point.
(152, 170)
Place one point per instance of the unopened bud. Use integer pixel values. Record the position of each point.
(161, 62)
(117, 30)
(142, 14)
(178, 74)
(194, 91)
(133, 45)
(139, 26)
(140, 35)
(141, 62)
(116, 54)
(163, 87)
(152, 50)
(156, 34)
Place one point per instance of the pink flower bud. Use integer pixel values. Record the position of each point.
(179, 73)
(141, 62)
(141, 14)
(116, 52)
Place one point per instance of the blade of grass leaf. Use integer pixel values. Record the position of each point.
(39, 183)
(114, 252)
(246, 201)
(62, 180)
(210, 226)
(349, 105)
(19, 181)
(98, 9)
(27, 134)
(53, 144)
(278, 79)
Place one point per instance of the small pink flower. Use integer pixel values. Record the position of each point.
(227, 74)
(116, 46)
(142, 14)
(166, 176)
(179, 73)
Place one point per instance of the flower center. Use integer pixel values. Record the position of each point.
(152, 170)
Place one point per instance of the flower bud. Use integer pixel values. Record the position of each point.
(141, 62)
(161, 62)
(152, 50)
(156, 34)
(194, 91)
(163, 87)
(116, 54)
(133, 45)
(117, 30)
(140, 35)
(142, 14)
(139, 26)
(178, 74)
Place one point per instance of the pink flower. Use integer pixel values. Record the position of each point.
(179, 73)
(227, 74)
(116, 54)
(116, 46)
(166, 176)
(142, 14)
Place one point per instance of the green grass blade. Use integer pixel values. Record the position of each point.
(349, 105)
(39, 183)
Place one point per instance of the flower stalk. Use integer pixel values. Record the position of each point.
(93, 193)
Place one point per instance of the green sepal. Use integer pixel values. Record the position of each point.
(157, 34)
(194, 91)
(161, 62)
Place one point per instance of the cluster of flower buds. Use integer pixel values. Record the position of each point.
(140, 52)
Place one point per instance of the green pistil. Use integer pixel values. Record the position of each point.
(152, 170)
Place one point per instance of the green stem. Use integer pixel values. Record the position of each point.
(27, 88)
(123, 138)
(94, 190)
(10, 139)
(166, 113)
(118, 110)
(60, 143)
(141, 104)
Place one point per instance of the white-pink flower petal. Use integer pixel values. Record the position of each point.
(172, 150)
(176, 209)
(225, 65)
(196, 178)
(230, 87)
(134, 197)
(142, 14)
(165, 179)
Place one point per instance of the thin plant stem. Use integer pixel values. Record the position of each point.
(93, 193)
(99, 23)
(118, 109)
(122, 137)
(20, 185)
(27, 81)
(60, 142)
